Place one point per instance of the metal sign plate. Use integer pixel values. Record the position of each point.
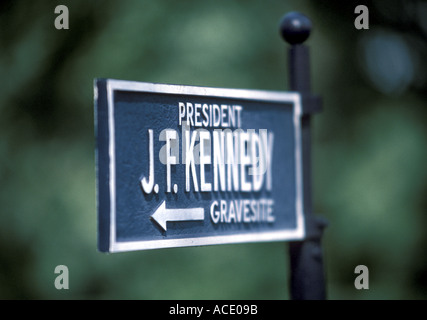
(187, 166)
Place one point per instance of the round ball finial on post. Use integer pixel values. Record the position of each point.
(295, 28)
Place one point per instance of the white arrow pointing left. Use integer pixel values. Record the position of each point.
(163, 215)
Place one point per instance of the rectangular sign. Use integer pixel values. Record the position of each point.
(188, 166)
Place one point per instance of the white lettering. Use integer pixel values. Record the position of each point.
(243, 210)
(218, 159)
(232, 160)
(189, 161)
(147, 185)
(197, 123)
(209, 115)
(244, 161)
(205, 158)
(181, 107)
(214, 213)
(170, 160)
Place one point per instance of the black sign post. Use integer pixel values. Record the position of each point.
(306, 257)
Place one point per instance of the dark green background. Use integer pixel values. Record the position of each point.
(369, 144)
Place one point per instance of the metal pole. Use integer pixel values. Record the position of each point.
(306, 257)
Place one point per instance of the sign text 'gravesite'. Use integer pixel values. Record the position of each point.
(185, 166)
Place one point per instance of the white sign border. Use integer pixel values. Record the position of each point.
(259, 95)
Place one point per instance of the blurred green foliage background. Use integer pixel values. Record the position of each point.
(369, 143)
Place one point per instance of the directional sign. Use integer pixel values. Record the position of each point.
(187, 166)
